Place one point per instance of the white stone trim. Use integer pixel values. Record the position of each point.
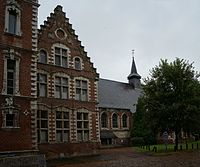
(12, 4)
(59, 45)
(48, 80)
(63, 75)
(88, 87)
(81, 61)
(13, 55)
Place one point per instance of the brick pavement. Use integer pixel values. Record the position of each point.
(127, 157)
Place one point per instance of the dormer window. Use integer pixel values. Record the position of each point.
(77, 63)
(43, 57)
(61, 57)
(13, 18)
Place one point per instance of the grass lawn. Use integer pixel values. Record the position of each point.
(170, 147)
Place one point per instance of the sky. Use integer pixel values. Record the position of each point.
(110, 29)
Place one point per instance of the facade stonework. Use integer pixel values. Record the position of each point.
(16, 54)
(50, 93)
(69, 89)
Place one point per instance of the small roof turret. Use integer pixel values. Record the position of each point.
(134, 77)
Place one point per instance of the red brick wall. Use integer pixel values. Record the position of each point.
(68, 150)
(13, 139)
(16, 139)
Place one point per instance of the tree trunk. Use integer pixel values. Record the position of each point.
(176, 140)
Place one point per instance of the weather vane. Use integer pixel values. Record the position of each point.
(133, 51)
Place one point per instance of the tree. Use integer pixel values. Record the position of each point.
(172, 97)
(141, 128)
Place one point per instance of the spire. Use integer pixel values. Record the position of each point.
(134, 77)
(133, 68)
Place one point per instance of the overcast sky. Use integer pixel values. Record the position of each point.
(110, 29)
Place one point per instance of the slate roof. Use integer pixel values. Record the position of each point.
(113, 94)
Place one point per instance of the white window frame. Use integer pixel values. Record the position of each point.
(81, 96)
(81, 67)
(83, 122)
(13, 5)
(43, 83)
(62, 86)
(39, 123)
(63, 128)
(46, 54)
(11, 54)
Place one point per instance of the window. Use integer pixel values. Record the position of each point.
(11, 64)
(104, 120)
(10, 114)
(12, 21)
(124, 121)
(62, 126)
(42, 85)
(11, 118)
(77, 63)
(61, 87)
(61, 57)
(43, 57)
(115, 121)
(12, 18)
(81, 90)
(42, 126)
(82, 126)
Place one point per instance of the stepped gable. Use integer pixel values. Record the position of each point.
(65, 34)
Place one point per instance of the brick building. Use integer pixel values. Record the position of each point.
(18, 46)
(117, 103)
(67, 116)
(49, 88)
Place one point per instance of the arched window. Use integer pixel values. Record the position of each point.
(43, 57)
(124, 121)
(104, 121)
(77, 63)
(115, 121)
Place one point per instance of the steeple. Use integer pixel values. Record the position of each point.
(134, 77)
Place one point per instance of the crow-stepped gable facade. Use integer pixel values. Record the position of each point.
(67, 115)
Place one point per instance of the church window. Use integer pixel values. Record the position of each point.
(104, 120)
(124, 121)
(114, 121)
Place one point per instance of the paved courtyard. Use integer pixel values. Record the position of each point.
(127, 157)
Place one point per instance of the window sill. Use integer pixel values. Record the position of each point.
(13, 35)
(10, 128)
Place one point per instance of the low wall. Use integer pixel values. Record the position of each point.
(23, 161)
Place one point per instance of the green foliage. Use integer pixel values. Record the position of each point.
(172, 97)
(141, 128)
(137, 141)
